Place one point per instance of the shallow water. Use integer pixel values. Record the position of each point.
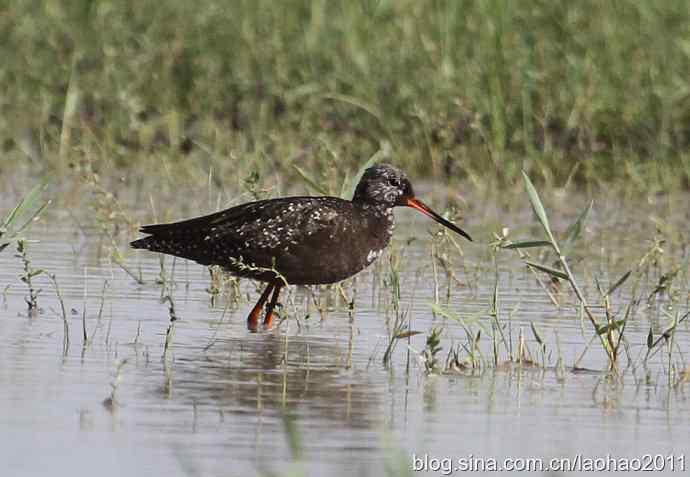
(221, 400)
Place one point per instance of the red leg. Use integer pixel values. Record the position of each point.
(268, 321)
(253, 318)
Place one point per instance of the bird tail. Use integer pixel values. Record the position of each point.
(161, 237)
(146, 243)
(171, 239)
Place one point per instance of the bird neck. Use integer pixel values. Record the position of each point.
(373, 207)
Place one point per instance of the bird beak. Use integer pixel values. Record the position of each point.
(424, 209)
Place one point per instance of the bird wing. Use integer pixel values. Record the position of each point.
(258, 234)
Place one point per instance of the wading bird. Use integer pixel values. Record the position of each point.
(295, 240)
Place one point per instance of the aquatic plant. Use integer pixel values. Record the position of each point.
(29, 274)
(610, 333)
(431, 350)
(27, 210)
(62, 314)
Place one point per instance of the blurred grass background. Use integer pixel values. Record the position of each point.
(587, 92)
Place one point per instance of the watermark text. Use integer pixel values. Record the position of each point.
(575, 463)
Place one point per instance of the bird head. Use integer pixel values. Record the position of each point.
(386, 186)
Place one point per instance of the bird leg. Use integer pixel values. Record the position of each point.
(253, 318)
(268, 320)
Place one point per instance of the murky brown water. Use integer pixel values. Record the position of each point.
(215, 404)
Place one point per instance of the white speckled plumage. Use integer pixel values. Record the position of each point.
(298, 240)
(304, 240)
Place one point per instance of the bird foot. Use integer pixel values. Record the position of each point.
(269, 321)
(253, 322)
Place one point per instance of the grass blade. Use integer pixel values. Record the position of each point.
(535, 332)
(620, 282)
(551, 271)
(537, 206)
(24, 205)
(614, 325)
(377, 156)
(406, 334)
(527, 244)
(22, 215)
(650, 339)
(345, 187)
(33, 216)
(575, 230)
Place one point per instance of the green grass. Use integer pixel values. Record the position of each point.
(470, 90)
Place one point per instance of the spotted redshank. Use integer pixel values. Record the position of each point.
(295, 240)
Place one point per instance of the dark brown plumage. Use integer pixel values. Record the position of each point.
(294, 240)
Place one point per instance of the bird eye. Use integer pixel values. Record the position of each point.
(394, 182)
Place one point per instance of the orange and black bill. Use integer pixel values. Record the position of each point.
(424, 209)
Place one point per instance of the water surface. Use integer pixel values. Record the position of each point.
(220, 400)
